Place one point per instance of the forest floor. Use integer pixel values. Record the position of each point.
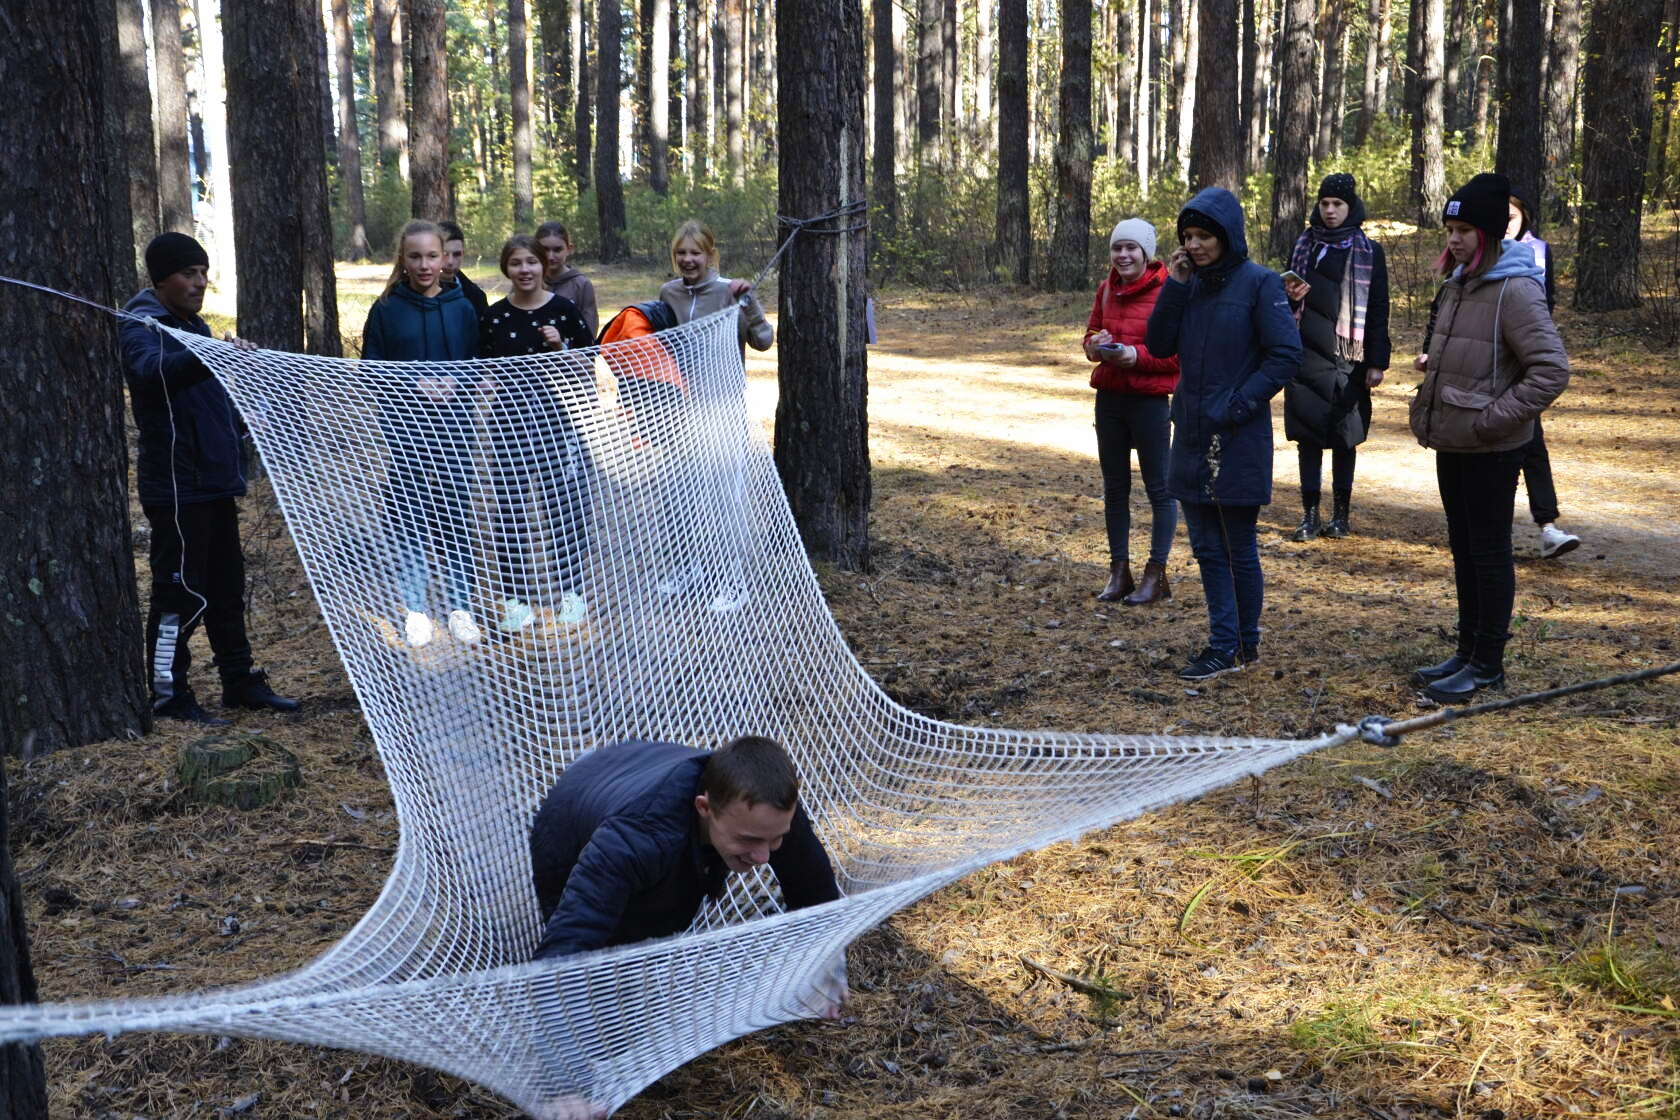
(1483, 922)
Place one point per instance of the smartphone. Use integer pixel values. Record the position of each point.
(1114, 348)
(1293, 277)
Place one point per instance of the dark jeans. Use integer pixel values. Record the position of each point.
(1537, 478)
(428, 512)
(541, 520)
(1227, 549)
(1342, 462)
(198, 575)
(1126, 421)
(1478, 493)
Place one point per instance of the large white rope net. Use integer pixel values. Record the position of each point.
(628, 486)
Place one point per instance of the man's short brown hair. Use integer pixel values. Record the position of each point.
(754, 768)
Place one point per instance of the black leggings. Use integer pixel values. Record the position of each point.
(1478, 493)
(1537, 478)
(1342, 461)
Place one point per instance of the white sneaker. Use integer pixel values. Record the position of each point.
(573, 608)
(678, 580)
(1554, 542)
(417, 629)
(729, 597)
(461, 625)
(516, 616)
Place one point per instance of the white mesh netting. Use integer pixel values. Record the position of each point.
(639, 483)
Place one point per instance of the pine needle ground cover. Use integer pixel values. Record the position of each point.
(1482, 922)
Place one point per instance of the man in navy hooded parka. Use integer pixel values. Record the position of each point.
(1229, 322)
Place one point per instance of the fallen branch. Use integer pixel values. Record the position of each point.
(1077, 983)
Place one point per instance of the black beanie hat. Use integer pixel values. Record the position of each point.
(1188, 217)
(172, 252)
(1340, 185)
(1483, 202)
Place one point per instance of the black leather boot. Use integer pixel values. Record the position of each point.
(1310, 525)
(1338, 524)
(252, 691)
(1465, 683)
(1429, 674)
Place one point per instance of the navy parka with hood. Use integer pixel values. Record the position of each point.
(195, 458)
(618, 853)
(1237, 345)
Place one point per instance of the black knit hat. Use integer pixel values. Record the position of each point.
(173, 252)
(1483, 202)
(1340, 185)
(1188, 217)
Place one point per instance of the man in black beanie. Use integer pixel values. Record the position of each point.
(189, 470)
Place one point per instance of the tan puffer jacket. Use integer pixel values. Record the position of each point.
(1495, 362)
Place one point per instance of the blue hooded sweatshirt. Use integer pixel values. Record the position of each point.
(1237, 346)
(406, 326)
(189, 432)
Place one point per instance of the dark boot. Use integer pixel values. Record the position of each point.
(252, 691)
(1338, 526)
(185, 708)
(1153, 587)
(1310, 524)
(1465, 683)
(1429, 674)
(1119, 582)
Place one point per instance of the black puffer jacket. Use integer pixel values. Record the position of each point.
(189, 445)
(1328, 403)
(618, 853)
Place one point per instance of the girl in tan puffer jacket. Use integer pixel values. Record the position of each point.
(1492, 363)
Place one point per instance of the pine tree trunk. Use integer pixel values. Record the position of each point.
(23, 1086)
(930, 54)
(734, 90)
(1330, 80)
(1292, 143)
(1187, 90)
(1249, 61)
(1668, 72)
(554, 66)
(1522, 47)
(350, 137)
(519, 94)
(822, 429)
(1429, 188)
(1014, 219)
(1070, 250)
(287, 301)
(174, 162)
(659, 98)
(1125, 83)
(904, 87)
(676, 106)
(77, 673)
(1143, 107)
(884, 161)
(139, 148)
(388, 87)
(1385, 58)
(429, 146)
(697, 82)
(1453, 102)
(583, 118)
(984, 111)
(1562, 66)
(609, 188)
(1621, 72)
(949, 79)
(1479, 132)
(1216, 155)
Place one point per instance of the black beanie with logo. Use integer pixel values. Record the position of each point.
(1483, 202)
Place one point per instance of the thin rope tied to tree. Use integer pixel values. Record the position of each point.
(813, 225)
(633, 478)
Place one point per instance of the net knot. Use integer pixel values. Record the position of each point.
(1372, 730)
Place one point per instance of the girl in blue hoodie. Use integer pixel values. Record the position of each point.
(426, 417)
(1228, 321)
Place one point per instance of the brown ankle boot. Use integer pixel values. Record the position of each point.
(1119, 582)
(1154, 587)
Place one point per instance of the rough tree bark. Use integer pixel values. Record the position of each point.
(884, 161)
(68, 588)
(1477, 132)
(1144, 108)
(697, 82)
(659, 97)
(519, 91)
(349, 135)
(1216, 156)
(1562, 66)
(1187, 90)
(609, 189)
(1330, 89)
(583, 117)
(1375, 13)
(429, 146)
(555, 68)
(1522, 48)
(139, 141)
(822, 429)
(930, 62)
(174, 162)
(1247, 87)
(287, 300)
(1453, 108)
(1620, 77)
(1070, 249)
(1014, 219)
(23, 1089)
(388, 88)
(1125, 83)
(1429, 187)
(1292, 143)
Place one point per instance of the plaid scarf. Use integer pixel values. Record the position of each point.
(1309, 249)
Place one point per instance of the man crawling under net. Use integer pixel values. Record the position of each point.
(634, 837)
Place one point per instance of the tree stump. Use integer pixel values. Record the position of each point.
(239, 770)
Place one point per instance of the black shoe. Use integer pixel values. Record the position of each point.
(1464, 684)
(252, 691)
(186, 709)
(1249, 655)
(1429, 674)
(1209, 663)
(1337, 527)
(1310, 525)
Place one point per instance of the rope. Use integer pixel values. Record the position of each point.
(802, 225)
(1384, 732)
(117, 312)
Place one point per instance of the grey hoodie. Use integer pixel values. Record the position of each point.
(712, 294)
(578, 288)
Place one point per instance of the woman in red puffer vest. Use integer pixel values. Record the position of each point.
(1132, 389)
